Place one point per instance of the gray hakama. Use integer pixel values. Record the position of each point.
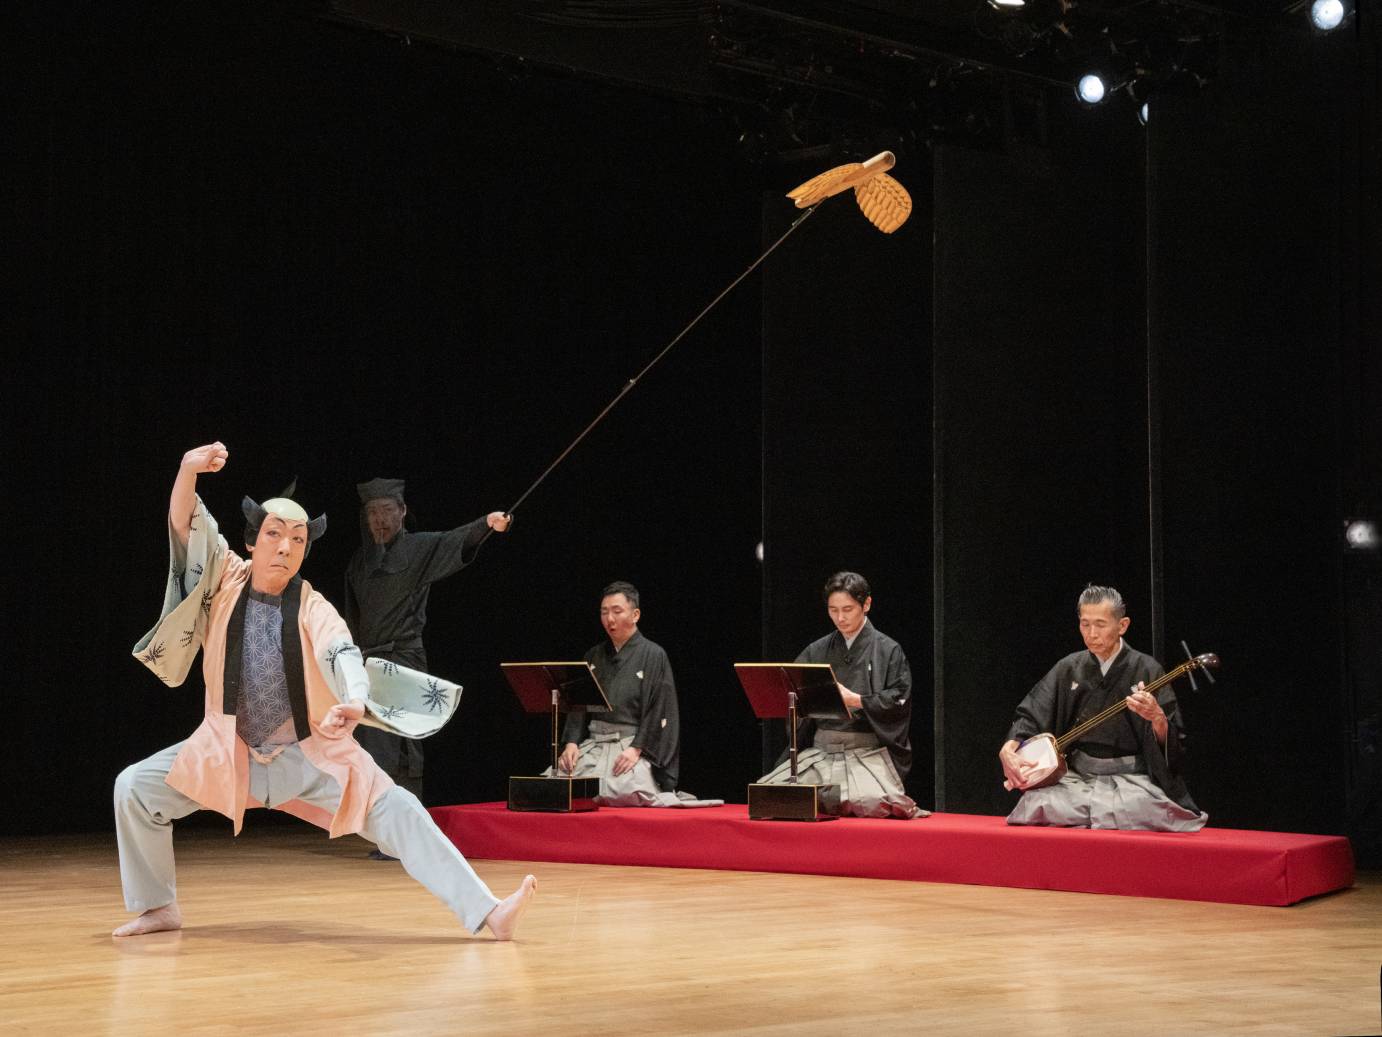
(635, 787)
(868, 755)
(1119, 775)
(855, 762)
(637, 679)
(1105, 793)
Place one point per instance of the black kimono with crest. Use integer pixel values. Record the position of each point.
(637, 679)
(1075, 690)
(875, 668)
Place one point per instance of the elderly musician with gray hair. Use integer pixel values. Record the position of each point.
(1125, 772)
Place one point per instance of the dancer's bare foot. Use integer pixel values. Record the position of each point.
(155, 920)
(503, 919)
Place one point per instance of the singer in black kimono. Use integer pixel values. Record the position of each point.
(634, 748)
(866, 757)
(1127, 772)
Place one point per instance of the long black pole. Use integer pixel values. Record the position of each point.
(628, 386)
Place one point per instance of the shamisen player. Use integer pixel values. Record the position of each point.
(1125, 773)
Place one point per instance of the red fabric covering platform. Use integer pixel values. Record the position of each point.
(1226, 865)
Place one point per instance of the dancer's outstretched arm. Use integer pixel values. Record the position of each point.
(183, 502)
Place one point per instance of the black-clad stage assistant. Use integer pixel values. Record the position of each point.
(560, 687)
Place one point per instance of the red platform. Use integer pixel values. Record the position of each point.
(1227, 865)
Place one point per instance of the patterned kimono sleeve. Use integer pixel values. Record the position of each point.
(397, 699)
(194, 576)
(338, 657)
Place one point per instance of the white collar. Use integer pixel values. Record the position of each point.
(1104, 664)
(849, 641)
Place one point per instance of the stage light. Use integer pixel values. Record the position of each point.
(1361, 534)
(1327, 14)
(758, 551)
(1007, 5)
(1090, 89)
(1142, 113)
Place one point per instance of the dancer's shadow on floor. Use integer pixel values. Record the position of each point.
(359, 939)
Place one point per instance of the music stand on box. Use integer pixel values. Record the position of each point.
(794, 691)
(563, 687)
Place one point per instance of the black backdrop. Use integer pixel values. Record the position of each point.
(347, 257)
(847, 433)
(1041, 452)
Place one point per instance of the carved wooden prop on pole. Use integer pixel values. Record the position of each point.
(882, 200)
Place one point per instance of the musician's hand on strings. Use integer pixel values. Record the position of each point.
(1144, 704)
(624, 762)
(852, 701)
(569, 755)
(498, 521)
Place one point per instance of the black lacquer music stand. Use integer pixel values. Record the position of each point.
(796, 691)
(562, 687)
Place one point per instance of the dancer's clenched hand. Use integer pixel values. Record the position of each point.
(209, 458)
(341, 719)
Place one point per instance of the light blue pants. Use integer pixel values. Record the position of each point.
(146, 806)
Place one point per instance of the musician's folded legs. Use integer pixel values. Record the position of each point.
(1065, 804)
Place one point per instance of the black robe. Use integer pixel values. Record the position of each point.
(387, 587)
(1074, 690)
(638, 682)
(874, 668)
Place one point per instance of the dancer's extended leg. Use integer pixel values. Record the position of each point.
(145, 808)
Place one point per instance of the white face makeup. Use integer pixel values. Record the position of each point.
(277, 554)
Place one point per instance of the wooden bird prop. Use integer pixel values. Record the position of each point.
(882, 199)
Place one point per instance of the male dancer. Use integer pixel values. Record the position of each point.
(285, 689)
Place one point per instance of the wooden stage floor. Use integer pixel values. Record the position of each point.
(289, 932)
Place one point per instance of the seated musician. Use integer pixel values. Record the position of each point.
(1125, 773)
(634, 748)
(866, 757)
